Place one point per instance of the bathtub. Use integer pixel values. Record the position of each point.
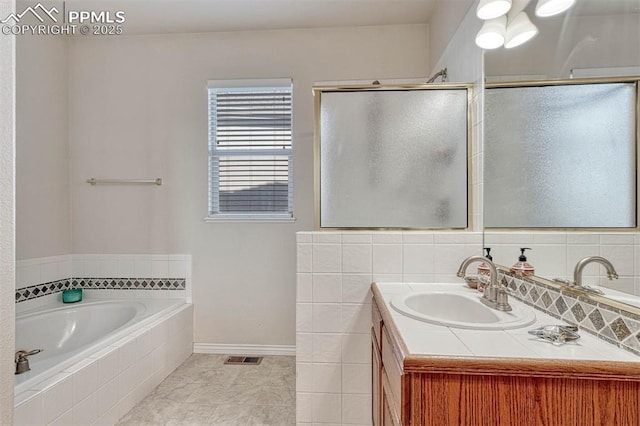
(135, 334)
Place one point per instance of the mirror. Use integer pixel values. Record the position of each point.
(594, 38)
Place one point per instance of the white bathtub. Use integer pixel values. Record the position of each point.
(77, 335)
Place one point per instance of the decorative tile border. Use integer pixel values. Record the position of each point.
(613, 325)
(40, 290)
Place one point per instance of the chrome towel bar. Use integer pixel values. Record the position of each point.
(94, 181)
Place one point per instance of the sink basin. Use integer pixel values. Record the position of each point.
(460, 310)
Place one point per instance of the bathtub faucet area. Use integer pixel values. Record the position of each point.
(21, 360)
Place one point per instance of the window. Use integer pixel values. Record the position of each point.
(250, 153)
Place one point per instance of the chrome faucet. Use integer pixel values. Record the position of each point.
(495, 295)
(577, 272)
(21, 360)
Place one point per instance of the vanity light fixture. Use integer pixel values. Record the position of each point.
(490, 9)
(519, 31)
(546, 8)
(492, 33)
(507, 20)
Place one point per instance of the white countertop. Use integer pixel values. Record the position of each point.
(422, 338)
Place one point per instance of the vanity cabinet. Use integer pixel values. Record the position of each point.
(414, 389)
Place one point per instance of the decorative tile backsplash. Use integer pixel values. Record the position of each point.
(613, 325)
(39, 290)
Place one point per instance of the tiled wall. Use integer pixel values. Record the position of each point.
(608, 323)
(333, 312)
(333, 309)
(555, 254)
(39, 281)
(106, 385)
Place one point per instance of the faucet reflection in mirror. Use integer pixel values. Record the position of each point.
(507, 23)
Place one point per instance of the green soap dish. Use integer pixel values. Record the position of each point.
(72, 295)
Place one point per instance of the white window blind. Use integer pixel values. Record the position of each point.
(250, 149)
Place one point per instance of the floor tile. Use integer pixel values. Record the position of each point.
(205, 391)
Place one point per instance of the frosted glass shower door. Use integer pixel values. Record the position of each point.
(393, 158)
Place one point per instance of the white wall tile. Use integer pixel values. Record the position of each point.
(356, 378)
(387, 259)
(177, 269)
(303, 407)
(327, 288)
(107, 396)
(387, 238)
(304, 287)
(583, 238)
(448, 257)
(356, 258)
(327, 348)
(304, 237)
(85, 381)
(356, 409)
(29, 412)
(108, 367)
(326, 258)
(304, 322)
(621, 256)
(417, 238)
(386, 278)
(356, 348)
(417, 259)
(57, 399)
(129, 379)
(356, 238)
(65, 419)
(142, 268)
(327, 377)
(326, 408)
(159, 269)
(617, 239)
(304, 347)
(327, 318)
(86, 411)
(356, 288)
(304, 377)
(326, 238)
(356, 318)
(304, 258)
(127, 354)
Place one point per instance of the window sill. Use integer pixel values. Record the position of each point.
(250, 218)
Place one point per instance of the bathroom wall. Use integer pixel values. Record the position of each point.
(7, 218)
(446, 20)
(43, 209)
(333, 323)
(138, 108)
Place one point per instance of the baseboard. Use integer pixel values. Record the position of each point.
(224, 349)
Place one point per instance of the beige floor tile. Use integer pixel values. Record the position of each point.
(204, 391)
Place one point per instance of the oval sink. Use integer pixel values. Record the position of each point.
(460, 311)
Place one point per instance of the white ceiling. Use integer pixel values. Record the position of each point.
(180, 16)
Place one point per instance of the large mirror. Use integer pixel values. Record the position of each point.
(594, 39)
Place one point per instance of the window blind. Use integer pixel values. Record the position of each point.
(250, 150)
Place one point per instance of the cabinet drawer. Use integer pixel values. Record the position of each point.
(391, 365)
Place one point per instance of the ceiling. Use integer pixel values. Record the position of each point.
(192, 16)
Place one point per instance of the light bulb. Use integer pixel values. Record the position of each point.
(491, 35)
(490, 9)
(519, 31)
(546, 8)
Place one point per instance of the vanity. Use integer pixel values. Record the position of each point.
(429, 374)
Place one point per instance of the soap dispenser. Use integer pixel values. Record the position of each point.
(483, 268)
(523, 268)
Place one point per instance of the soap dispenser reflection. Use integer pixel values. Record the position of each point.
(522, 267)
(484, 272)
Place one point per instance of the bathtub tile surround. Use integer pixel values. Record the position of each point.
(606, 322)
(39, 280)
(333, 309)
(40, 290)
(108, 383)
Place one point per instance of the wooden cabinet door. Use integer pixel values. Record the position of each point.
(376, 382)
(390, 412)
